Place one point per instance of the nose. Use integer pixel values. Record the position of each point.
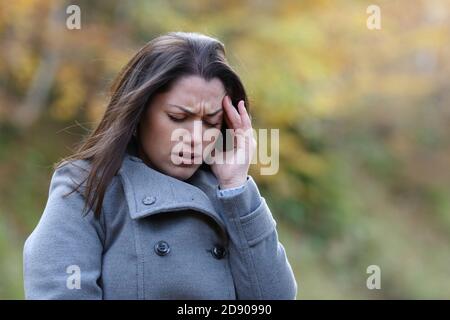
(196, 144)
(193, 142)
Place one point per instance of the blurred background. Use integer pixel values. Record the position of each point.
(363, 115)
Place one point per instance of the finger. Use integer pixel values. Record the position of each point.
(228, 121)
(245, 119)
(244, 137)
(245, 148)
(232, 113)
(240, 140)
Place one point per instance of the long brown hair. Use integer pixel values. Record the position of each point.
(152, 70)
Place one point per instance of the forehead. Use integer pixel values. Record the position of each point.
(195, 92)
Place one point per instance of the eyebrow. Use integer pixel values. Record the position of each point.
(193, 113)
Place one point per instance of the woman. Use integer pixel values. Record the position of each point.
(134, 214)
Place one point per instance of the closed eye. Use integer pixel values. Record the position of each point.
(211, 124)
(181, 119)
(176, 119)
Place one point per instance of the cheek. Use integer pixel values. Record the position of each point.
(157, 128)
(158, 135)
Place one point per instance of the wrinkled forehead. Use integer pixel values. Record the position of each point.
(196, 93)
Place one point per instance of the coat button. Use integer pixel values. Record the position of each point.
(149, 200)
(218, 252)
(162, 248)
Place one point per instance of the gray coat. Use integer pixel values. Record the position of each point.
(158, 238)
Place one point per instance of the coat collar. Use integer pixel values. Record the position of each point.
(148, 191)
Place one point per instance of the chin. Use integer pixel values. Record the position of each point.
(182, 172)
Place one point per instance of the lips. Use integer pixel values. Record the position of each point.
(188, 155)
(188, 158)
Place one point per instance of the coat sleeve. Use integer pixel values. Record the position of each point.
(62, 256)
(258, 261)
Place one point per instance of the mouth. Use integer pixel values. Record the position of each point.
(188, 158)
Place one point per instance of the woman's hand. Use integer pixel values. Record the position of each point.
(232, 169)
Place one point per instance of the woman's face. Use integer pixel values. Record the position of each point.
(190, 100)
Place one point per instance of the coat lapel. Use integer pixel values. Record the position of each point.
(149, 191)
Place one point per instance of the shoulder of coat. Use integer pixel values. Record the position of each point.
(74, 167)
(75, 171)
